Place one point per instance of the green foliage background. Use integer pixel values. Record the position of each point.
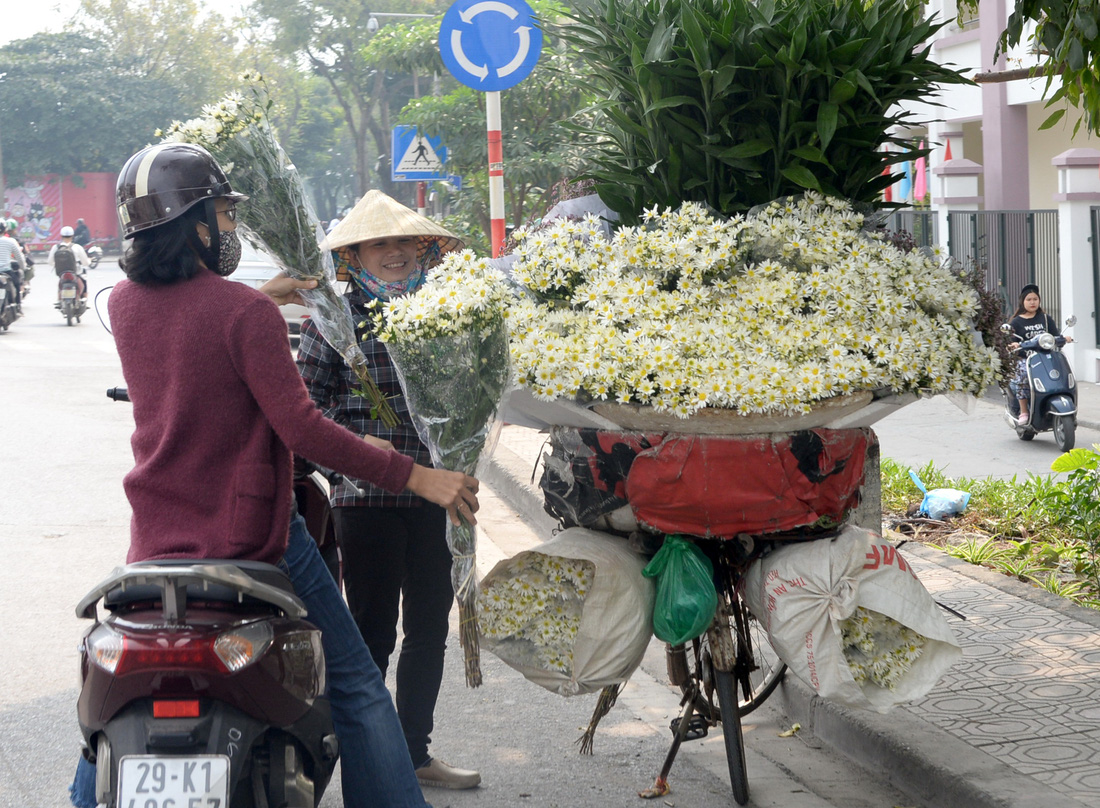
(735, 103)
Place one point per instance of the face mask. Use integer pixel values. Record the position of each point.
(229, 252)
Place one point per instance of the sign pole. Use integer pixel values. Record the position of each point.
(496, 173)
(422, 198)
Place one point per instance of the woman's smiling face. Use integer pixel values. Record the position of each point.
(389, 259)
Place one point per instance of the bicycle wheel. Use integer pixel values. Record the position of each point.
(726, 691)
(759, 670)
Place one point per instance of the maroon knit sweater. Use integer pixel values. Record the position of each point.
(219, 407)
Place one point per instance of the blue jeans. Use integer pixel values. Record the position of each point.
(375, 769)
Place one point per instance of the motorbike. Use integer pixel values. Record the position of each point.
(28, 272)
(312, 485)
(1053, 389)
(95, 255)
(9, 306)
(204, 685)
(71, 304)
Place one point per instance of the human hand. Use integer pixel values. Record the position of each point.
(1012, 346)
(379, 443)
(453, 490)
(285, 290)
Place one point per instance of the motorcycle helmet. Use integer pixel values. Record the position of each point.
(66, 232)
(161, 182)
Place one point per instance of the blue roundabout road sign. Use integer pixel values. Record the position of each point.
(490, 45)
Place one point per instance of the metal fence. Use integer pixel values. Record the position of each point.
(1013, 248)
(1094, 219)
(920, 224)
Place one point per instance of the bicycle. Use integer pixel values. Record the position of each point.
(731, 669)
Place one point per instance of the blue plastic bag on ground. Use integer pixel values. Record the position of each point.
(686, 597)
(941, 502)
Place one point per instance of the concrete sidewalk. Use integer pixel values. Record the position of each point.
(1016, 724)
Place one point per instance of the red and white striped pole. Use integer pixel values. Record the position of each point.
(422, 198)
(496, 173)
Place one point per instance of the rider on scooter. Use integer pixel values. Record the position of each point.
(82, 261)
(1028, 321)
(12, 263)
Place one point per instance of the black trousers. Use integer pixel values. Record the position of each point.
(392, 557)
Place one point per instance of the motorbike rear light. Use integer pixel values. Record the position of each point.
(168, 652)
(68, 276)
(176, 709)
(243, 645)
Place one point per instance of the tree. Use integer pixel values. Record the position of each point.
(170, 41)
(539, 151)
(1067, 33)
(333, 36)
(71, 104)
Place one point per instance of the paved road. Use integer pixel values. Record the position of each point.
(977, 443)
(64, 523)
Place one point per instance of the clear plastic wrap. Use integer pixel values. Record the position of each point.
(278, 218)
(453, 385)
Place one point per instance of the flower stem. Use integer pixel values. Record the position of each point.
(380, 407)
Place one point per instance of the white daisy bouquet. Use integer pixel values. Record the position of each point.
(449, 344)
(279, 217)
(879, 649)
(531, 614)
(766, 313)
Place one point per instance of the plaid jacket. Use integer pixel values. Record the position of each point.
(330, 383)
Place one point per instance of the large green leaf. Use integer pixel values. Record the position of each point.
(802, 176)
(826, 122)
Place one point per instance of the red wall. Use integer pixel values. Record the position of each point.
(43, 205)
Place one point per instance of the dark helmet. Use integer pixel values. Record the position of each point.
(161, 182)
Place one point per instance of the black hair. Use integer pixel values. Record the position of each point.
(167, 253)
(1027, 290)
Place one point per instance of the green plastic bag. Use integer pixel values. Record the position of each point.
(686, 597)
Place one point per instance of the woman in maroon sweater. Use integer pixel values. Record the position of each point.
(219, 408)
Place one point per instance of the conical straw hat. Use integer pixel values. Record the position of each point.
(377, 216)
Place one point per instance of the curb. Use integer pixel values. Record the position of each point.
(913, 755)
(923, 761)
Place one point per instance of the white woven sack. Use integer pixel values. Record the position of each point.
(803, 592)
(616, 621)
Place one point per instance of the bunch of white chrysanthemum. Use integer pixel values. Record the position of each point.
(536, 609)
(463, 293)
(878, 648)
(764, 314)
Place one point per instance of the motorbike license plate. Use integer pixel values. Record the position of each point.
(149, 781)
(68, 293)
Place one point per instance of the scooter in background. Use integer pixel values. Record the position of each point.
(1053, 389)
(10, 310)
(71, 304)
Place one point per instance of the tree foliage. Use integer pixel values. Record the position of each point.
(175, 42)
(1067, 33)
(539, 151)
(333, 36)
(70, 103)
(734, 103)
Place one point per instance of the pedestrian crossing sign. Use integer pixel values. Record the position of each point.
(417, 157)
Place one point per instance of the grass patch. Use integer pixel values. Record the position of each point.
(1021, 528)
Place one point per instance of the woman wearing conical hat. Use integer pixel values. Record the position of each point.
(394, 547)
